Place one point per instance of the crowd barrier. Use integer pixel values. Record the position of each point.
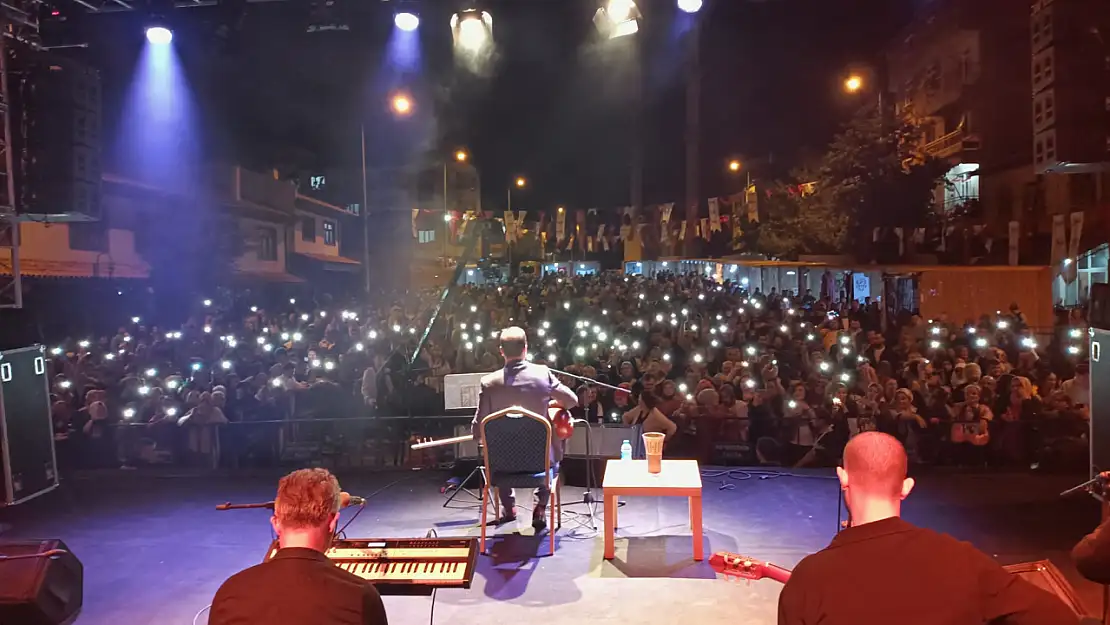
(384, 441)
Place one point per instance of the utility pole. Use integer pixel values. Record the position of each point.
(693, 132)
(365, 215)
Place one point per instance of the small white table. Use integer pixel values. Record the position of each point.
(678, 478)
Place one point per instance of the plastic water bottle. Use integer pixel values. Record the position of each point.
(626, 450)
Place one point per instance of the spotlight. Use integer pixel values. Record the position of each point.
(159, 35)
(689, 6)
(472, 29)
(407, 22)
(618, 18)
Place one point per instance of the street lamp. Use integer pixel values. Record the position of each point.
(519, 183)
(461, 156)
(853, 83)
(734, 166)
(401, 105)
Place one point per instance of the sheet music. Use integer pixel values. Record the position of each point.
(460, 390)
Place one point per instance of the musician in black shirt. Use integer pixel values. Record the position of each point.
(300, 585)
(885, 570)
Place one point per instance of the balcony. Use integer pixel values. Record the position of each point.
(952, 144)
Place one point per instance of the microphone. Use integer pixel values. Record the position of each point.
(347, 500)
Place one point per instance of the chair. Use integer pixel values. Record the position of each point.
(517, 454)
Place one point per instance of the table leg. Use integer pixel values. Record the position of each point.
(695, 525)
(610, 524)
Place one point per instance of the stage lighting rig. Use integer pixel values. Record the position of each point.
(406, 21)
(159, 35)
(472, 30)
(617, 18)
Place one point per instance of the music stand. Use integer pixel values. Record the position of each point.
(460, 392)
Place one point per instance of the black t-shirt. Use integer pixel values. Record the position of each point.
(890, 571)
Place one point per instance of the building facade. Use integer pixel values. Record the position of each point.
(1016, 96)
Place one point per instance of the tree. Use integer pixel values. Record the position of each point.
(871, 176)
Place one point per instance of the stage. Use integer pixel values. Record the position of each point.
(155, 549)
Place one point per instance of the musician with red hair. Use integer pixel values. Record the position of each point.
(882, 569)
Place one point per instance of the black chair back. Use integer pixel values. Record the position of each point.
(517, 441)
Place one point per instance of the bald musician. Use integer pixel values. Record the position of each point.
(885, 570)
(530, 386)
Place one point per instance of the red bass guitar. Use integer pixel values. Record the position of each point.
(735, 566)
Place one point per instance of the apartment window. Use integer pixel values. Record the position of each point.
(308, 229)
(426, 236)
(91, 236)
(267, 244)
(329, 233)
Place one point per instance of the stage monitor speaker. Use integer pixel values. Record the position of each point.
(1044, 575)
(1099, 438)
(27, 460)
(46, 590)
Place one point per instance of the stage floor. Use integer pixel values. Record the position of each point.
(155, 549)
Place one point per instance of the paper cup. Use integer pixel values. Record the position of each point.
(653, 448)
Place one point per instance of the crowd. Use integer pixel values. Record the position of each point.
(729, 374)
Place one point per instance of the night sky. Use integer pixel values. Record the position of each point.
(554, 107)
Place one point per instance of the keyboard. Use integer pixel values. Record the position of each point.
(405, 566)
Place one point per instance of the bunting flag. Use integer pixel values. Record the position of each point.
(601, 237)
(510, 227)
(589, 244)
(705, 228)
(665, 211)
(919, 236)
(456, 225)
(579, 229)
(415, 214)
(682, 230)
(751, 199)
(1059, 240)
(626, 227)
(901, 241)
(714, 214)
(1015, 241)
(561, 226)
(463, 223)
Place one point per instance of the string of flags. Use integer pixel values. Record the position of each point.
(600, 230)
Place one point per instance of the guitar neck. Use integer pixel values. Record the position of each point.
(776, 573)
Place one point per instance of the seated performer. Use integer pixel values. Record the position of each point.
(300, 585)
(530, 386)
(884, 570)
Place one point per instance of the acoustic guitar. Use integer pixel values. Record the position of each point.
(736, 566)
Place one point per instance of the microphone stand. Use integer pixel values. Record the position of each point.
(269, 505)
(588, 498)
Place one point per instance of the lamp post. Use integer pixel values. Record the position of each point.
(519, 183)
(693, 128)
(401, 106)
(461, 156)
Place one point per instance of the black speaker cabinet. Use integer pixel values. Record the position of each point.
(1100, 402)
(44, 590)
(27, 460)
(1098, 310)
